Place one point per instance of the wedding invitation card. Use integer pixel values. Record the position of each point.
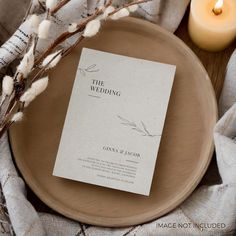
(114, 121)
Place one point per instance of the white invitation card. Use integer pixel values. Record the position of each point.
(114, 121)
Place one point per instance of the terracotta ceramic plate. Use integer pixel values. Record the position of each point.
(186, 146)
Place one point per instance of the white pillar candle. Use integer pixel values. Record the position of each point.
(212, 23)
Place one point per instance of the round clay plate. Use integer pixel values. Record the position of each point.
(186, 146)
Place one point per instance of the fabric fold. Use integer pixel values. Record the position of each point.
(24, 219)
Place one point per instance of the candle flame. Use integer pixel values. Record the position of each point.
(219, 4)
(218, 7)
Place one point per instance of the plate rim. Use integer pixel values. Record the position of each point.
(142, 217)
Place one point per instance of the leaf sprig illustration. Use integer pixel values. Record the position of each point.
(90, 69)
(140, 129)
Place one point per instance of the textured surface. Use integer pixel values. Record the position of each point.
(186, 141)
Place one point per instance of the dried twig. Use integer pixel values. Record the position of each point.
(22, 88)
(64, 36)
(142, 130)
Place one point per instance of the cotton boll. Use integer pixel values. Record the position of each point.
(43, 29)
(121, 13)
(51, 60)
(28, 96)
(51, 3)
(7, 85)
(133, 8)
(30, 57)
(33, 22)
(107, 11)
(17, 117)
(72, 27)
(36, 88)
(27, 62)
(23, 68)
(40, 85)
(92, 28)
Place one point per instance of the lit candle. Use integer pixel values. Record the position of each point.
(212, 23)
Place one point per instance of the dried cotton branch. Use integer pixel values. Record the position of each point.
(64, 36)
(52, 60)
(43, 29)
(7, 88)
(27, 62)
(33, 22)
(50, 4)
(7, 85)
(92, 28)
(72, 27)
(28, 97)
(17, 117)
(133, 8)
(107, 11)
(26, 85)
(36, 88)
(120, 14)
(40, 85)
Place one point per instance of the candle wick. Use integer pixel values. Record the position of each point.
(217, 11)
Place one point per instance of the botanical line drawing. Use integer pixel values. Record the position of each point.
(90, 69)
(140, 129)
